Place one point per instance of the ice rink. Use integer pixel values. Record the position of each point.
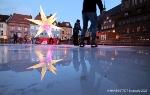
(105, 70)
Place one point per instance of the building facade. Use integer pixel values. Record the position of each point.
(106, 23)
(3, 26)
(134, 19)
(66, 31)
(18, 24)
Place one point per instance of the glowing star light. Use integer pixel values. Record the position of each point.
(45, 24)
(45, 63)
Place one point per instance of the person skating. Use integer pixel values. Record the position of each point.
(76, 30)
(89, 13)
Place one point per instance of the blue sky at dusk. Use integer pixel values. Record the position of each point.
(67, 10)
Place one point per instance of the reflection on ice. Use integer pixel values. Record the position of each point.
(45, 62)
(81, 71)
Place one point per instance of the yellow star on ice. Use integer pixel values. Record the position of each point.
(45, 63)
(45, 24)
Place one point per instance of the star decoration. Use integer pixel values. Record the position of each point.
(45, 63)
(45, 24)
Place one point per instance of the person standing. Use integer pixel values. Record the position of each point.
(89, 13)
(25, 38)
(75, 32)
(15, 38)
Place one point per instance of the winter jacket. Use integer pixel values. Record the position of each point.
(90, 5)
(76, 28)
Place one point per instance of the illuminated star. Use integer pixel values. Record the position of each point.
(45, 63)
(45, 24)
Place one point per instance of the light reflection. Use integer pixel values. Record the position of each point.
(45, 63)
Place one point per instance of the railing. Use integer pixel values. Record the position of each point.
(129, 42)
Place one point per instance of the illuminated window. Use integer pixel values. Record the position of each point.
(144, 28)
(109, 20)
(141, 1)
(102, 27)
(138, 29)
(128, 30)
(107, 17)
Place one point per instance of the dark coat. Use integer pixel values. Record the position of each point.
(76, 28)
(90, 5)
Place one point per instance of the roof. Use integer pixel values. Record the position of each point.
(64, 24)
(112, 12)
(4, 18)
(20, 18)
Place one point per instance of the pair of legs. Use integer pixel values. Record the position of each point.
(92, 17)
(15, 41)
(75, 38)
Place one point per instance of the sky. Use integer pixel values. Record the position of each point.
(67, 10)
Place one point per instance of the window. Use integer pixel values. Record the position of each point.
(62, 32)
(138, 29)
(128, 30)
(139, 10)
(32, 27)
(107, 17)
(1, 25)
(54, 23)
(120, 23)
(144, 17)
(1, 32)
(67, 24)
(135, 2)
(104, 22)
(141, 1)
(25, 29)
(41, 33)
(102, 27)
(144, 28)
(19, 28)
(12, 27)
(103, 37)
(112, 25)
(126, 14)
(128, 21)
(19, 34)
(139, 19)
(123, 22)
(109, 26)
(109, 20)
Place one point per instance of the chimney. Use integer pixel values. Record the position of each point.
(39, 14)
